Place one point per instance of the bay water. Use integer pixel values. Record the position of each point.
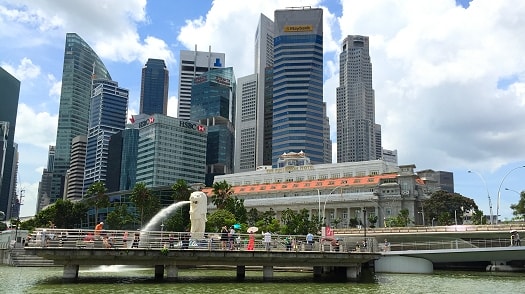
(128, 280)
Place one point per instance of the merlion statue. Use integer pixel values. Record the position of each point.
(198, 210)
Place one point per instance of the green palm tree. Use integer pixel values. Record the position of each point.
(222, 192)
(141, 197)
(98, 198)
(181, 191)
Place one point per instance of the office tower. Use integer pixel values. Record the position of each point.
(192, 65)
(9, 94)
(154, 88)
(358, 136)
(44, 186)
(107, 117)
(81, 63)
(170, 149)
(74, 183)
(298, 108)
(253, 139)
(114, 162)
(128, 162)
(213, 105)
(327, 142)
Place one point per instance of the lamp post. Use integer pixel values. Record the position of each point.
(488, 194)
(433, 221)
(326, 199)
(364, 222)
(319, 211)
(499, 189)
(513, 191)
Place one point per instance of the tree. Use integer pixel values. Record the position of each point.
(218, 219)
(98, 198)
(444, 206)
(145, 202)
(518, 209)
(401, 220)
(181, 191)
(222, 191)
(121, 218)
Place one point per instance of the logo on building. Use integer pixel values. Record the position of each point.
(298, 28)
(193, 126)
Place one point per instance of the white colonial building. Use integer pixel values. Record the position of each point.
(333, 192)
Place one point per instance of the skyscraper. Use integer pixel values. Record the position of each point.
(298, 108)
(170, 149)
(154, 88)
(253, 140)
(80, 64)
(192, 65)
(357, 133)
(213, 105)
(9, 94)
(107, 117)
(74, 182)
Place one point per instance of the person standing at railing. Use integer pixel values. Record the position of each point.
(267, 241)
(251, 241)
(309, 241)
(98, 229)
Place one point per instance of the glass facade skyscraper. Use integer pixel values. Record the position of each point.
(213, 105)
(170, 149)
(298, 108)
(9, 95)
(154, 87)
(81, 65)
(107, 117)
(358, 136)
(192, 65)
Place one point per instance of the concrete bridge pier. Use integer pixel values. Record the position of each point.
(267, 272)
(241, 272)
(353, 272)
(318, 271)
(172, 272)
(70, 272)
(159, 272)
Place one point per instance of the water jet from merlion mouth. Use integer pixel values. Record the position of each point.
(157, 220)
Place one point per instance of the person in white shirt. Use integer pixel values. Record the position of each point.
(267, 240)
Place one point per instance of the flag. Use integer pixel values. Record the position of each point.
(328, 232)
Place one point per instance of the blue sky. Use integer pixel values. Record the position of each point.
(448, 76)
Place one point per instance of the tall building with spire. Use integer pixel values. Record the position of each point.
(298, 109)
(9, 95)
(154, 87)
(81, 65)
(193, 64)
(358, 136)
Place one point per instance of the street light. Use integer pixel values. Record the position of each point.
(326, 199)
(499, 189)
(488, 194)
(513, 191)
(433, 221)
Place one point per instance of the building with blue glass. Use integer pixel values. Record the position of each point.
(107, 117)
(128, 160)
(81, 64)
(299, 116)
(213, 105)
(9, 94)
(154, 87)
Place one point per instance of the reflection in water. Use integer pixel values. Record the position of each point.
(140, 280)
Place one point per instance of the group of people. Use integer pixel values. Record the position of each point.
(515, 238)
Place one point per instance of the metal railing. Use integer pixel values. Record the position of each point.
(421, 229)
(121, 239)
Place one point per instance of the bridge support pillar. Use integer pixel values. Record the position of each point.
(267, 272)
(318, 271)
(353, 272)
(70, 272)
(159, 272)
(241, 272)
(172, 272)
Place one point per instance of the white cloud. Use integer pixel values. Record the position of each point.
(173, 104)
(56, 87)
(26, 70)
(37, 129)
